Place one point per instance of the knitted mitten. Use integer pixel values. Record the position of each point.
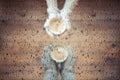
(67, 72)
(49, 65)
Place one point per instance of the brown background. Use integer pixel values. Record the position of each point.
(95, 38)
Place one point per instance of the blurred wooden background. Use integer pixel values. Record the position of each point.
(95, 38)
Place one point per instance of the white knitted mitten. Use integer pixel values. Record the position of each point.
(67, 9)
(53, 12)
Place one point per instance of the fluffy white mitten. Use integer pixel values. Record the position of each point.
(52, 10)
(67, 9)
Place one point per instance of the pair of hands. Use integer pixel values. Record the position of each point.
(54, 12)
(57, 14)
(52, 68)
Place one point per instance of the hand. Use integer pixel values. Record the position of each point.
(66, 19)
(67, 71)
(49, 65)
(53, 12)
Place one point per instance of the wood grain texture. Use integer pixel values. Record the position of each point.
(94, 37)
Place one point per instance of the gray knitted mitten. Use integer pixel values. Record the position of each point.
(51, 72)
(67, 72)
